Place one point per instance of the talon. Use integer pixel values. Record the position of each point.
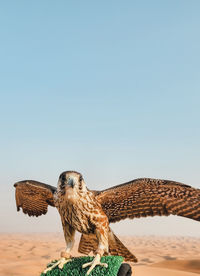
(63, 261)
(60, 263)
(94, 263)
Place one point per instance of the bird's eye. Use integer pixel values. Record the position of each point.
(81, 178)
(63, 177)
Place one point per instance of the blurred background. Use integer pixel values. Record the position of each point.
(107, 88)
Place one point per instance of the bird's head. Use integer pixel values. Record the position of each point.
(71, 180)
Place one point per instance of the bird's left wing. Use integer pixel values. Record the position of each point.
(34, 197)
(150, 197)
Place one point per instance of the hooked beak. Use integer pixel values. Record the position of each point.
(70, 182)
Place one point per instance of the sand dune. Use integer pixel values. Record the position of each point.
(184, 265)
(152, 271)
(28, 254)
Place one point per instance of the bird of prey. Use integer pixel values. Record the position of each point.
(90, 212)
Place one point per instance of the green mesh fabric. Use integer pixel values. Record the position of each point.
(74, 268)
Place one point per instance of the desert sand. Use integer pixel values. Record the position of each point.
(28, 254)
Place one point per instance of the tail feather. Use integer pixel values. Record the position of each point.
(89, 243)
(116, 247)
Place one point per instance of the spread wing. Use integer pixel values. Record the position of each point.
(150, 197)
(34, 197)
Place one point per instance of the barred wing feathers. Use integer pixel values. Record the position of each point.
(34, 197)
(150, 197)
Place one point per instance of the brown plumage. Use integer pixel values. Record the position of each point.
(89, 243)
(90, 212)
(34, 197)
(150, 197)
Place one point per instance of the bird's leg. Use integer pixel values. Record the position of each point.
(65, 258)
(69, 233)
(102, 236)
(65, 255)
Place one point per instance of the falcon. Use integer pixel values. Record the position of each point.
(90, 212)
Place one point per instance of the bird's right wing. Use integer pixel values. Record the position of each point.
(34, 197)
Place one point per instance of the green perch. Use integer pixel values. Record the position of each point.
(74, 267)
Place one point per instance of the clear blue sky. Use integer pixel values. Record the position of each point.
(107, 88)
